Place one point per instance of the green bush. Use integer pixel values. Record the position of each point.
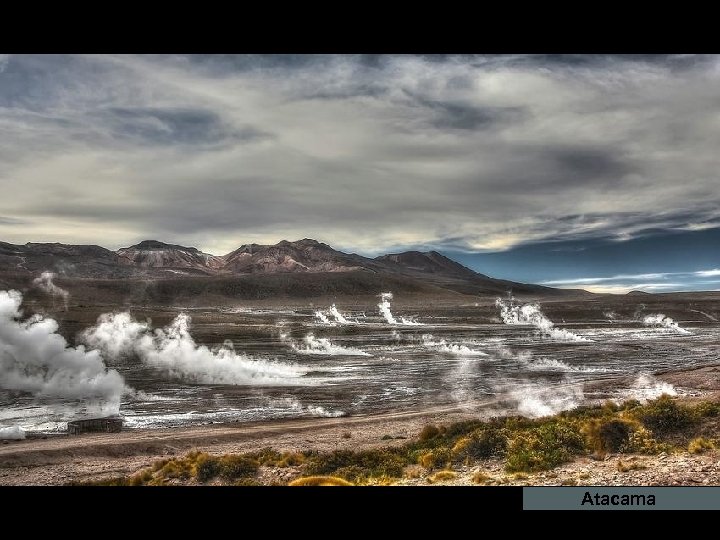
(207, 468)
(436, 458)
(267, 457)
(458, 429)
(707, 409)
(237, 466)
(429, 432)
(356, 466)
(664, 416)
(543, 447)
(481, 444)
(700, 445)
(630, 404)
(179, 468)
(641, 441)
(608, 435)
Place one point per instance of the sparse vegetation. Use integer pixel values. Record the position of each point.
(357, 466)
(526, 445)
(544, 447)
(442, 476)
(707, 409)
(481, 444)
(267, 457)
(435, 459)
(208, 467)
(700, 445)
(664, 415)
(626, 466)
(237, 466)
(480, 477)
(429, 432)
(641, 441)
(608, 435)
(320, 481)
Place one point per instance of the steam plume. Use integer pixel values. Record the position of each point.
(541, 400)
(333, 312)
(338, 316)
(661, 321)
(451, 348)
(531, 314)
(384, 307)
(648, 387)
(312, 345)
(45, 283)
(13, 433)
(173, 350)
(35, 358)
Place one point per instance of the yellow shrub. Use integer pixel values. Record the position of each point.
(700, 445)
(441, 476)
(320, 481)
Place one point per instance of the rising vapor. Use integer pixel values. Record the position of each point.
(45, 283)
(173, 350)
(530, 314)
(35, 358)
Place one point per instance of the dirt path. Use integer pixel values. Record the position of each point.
(63, 459)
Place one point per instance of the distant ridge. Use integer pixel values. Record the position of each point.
(638, 293)
(421, 271)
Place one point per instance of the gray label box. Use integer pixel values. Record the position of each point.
(621, 498)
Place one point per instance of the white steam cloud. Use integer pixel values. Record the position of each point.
(12, 433)
(450, 348)
(338, 318)
(551, 364)
(318, 410)
(45, 284)
(536, 402)
(384, 307)
(312, 345)
(648, 387)
(35, 358)
(304, 410)
(173, 350)
(661, 321)
(530, 314)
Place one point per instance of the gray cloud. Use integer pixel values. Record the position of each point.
(368, 153)
(11, 221)
(175, 126)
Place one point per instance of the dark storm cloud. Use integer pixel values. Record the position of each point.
(589, 163)
(366, 152)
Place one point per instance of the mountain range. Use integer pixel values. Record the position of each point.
(291, 266)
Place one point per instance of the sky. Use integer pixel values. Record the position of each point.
(589, 171)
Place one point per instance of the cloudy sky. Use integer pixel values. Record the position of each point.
(593, 171)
